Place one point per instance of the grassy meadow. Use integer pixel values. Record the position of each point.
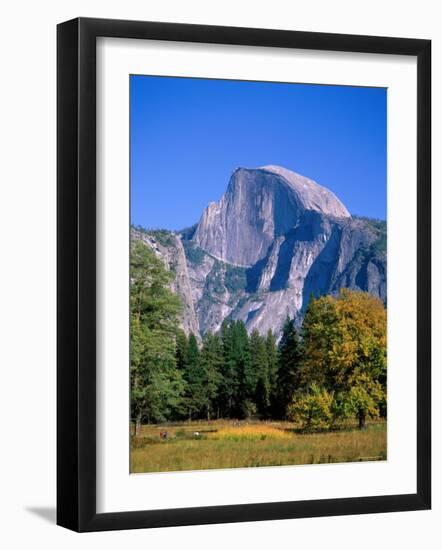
(327, 379)
(230, 444)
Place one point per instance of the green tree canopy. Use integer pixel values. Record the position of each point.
(345, 352)
(259, 362)
(193, 376)
(211, 366)
(156, 385)
(289, 362)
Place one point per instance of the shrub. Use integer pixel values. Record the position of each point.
(235, 279)
(248, 408)
(194, 253)
(313, 410)
(163, 236)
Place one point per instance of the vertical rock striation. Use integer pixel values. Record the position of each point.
(259, 206)
(169, 248)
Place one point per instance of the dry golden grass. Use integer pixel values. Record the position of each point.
(251, 432)
(228, 444)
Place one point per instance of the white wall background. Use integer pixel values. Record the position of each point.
(27, 276)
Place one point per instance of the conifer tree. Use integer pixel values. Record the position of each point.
(238, 379)
(289, 360)
(193, 375)
(260, 365)
(247, 377)
(211, 365)
(182, 350)
(272, 362)
(229, 376)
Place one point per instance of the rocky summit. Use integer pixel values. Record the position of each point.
(259, 206)
(273, 239)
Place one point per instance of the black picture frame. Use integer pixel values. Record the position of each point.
(77, 287)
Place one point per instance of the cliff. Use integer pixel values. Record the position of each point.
(273, 239)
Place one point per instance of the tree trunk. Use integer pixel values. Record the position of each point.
(361, 420)
(138, 425)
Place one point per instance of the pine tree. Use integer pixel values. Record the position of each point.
(247, 379)
(272, 362)
(211, 365)
(238, 379)
(260, 366)
(229, 383)
(272, 358)
(193, 376)
(289, 359)
(182, 350)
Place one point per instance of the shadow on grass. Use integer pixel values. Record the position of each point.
(375, 427)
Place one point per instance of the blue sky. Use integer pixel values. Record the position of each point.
(188, 135)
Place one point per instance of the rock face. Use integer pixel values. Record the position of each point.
(169, 248)
(259, 206)
(272, 240)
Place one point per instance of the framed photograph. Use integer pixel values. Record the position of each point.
(243, 274)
